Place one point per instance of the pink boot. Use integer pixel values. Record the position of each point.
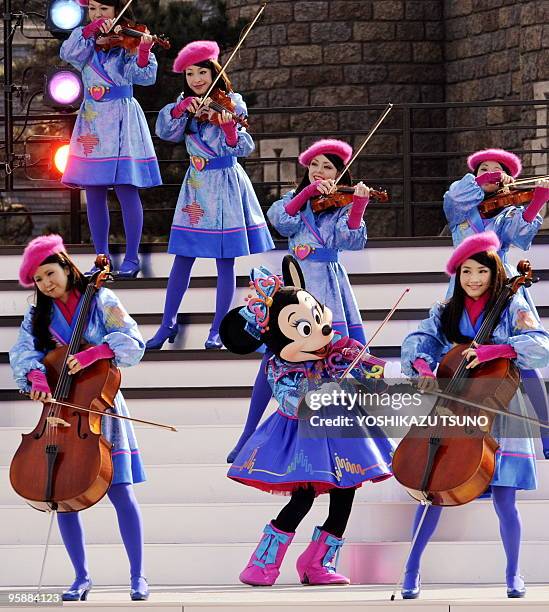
(263, 566)
(317, 565)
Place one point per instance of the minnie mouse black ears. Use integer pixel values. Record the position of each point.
(234, 335)
(292, 273)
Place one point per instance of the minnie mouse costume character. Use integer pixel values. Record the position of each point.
(282, 456)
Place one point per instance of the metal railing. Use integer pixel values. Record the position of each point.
(415, 155)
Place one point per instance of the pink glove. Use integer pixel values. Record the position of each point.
(423, 368)
(38, 381)
(299, 201)
(231, 135)
(181, 107)
(487, 352)
(93, 354)
(488, 177)
(357, 210)
(541, 195)
(143, 52)
(93, 28)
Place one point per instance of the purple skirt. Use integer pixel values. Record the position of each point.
(282, 456)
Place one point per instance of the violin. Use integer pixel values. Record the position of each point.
(343, 197)
(503, 199)
(128, 36)
(65, 463)
(221, 101)
(450, 465)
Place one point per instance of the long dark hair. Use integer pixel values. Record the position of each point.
(339, 165)
(41, 318)
(453, 309)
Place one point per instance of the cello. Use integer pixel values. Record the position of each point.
(65, 463)
(450, 465)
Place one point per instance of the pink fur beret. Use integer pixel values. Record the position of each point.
(477, 243)
(336, 147)
(508, 159)
(34, 254)
(194, 53)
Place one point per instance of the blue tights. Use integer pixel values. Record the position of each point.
(99, 220)
(131, 529)
(509, 527)
(178, 283)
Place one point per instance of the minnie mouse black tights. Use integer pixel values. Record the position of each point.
(341, 502)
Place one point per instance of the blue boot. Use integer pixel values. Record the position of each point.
(139, 589)
(213, 341)
(411, 587)
(129, 269)
(515, 587)
(79, 590)
(165, 332)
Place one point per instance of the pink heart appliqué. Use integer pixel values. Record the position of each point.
(199, 163)
(97, 92)
(302, 251)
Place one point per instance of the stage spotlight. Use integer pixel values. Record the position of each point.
(60, 158)
(46, 157)
(62, 16)
(63, 89)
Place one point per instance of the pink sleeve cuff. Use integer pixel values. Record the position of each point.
(143, 53)
(423, 368)
(92, 29)
(487, 352)
(357, 211)
(38, 381)
(181, 107)
(488, 177)
(231, 135)
(93, 354)
(541, 195)
(297, 203)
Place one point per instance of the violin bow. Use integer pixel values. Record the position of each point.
(235, 51)
(119, 16)
(380, 327)
(525, 181)
(110, 414)
(372, 131)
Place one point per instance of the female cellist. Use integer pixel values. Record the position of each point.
(514, 225)
(479, 278)
(59, 287)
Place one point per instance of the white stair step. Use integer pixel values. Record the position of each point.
(191, 443)
(376, 257)
(182, 412)
(210, 564)
(190, 373)
(208, 483)
(226, 523)
(201, 299)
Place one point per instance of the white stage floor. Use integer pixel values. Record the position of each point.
(286, 598)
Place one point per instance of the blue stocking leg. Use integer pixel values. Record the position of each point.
(178, 283)
(132, 215)
(510, 530)
(98, 217)
(131, 528)
(427, 529)
(535, 389)
(261, 396)
(72, 532)
(226, 284)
